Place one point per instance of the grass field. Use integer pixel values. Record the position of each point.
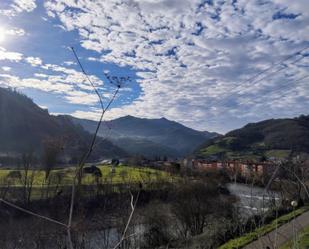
(123, 174)
(278, 153)
(301, 243)
(212, 150)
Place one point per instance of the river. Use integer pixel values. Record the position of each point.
(253, 200)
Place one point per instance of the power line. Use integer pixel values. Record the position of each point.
(286, 86)
(280, 69)
(88, 78)
(275, 64)
(254, 77)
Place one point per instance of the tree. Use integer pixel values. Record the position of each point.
(192, 204)
(52, 149)
(157, 232)
(294, 176)
(27, 179)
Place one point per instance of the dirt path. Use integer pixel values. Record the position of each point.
(275, 239)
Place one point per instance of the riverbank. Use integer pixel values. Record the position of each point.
(269, 234)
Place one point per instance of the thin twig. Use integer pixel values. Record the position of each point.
(70, 238)
(32, 213)
(299, 180)
(88, 153)
(133, 206)
(85, 157)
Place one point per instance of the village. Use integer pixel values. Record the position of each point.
(236, 169)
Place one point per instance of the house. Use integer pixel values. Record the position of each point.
(235, 167)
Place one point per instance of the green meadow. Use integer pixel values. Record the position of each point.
(64, 176)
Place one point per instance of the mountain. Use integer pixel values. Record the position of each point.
(277, 138)
(149, 137)
(25, 127)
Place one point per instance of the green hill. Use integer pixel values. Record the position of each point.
(24, 127)
(270, 138)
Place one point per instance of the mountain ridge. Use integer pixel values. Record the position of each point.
(163, 136)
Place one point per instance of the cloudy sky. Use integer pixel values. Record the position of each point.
(212, 65)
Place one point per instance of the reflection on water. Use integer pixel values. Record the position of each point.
(108, 238)
(253, 200)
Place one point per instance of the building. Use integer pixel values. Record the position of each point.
(234, 167)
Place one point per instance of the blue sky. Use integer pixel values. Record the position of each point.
(193, 61)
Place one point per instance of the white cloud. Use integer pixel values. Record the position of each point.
(14, 32)
(81, 98)
(43, 107)
(19, 6)
(93, 59)
(10, 56)
(52, 84)
(44, 85)
(194, 60)
(6, 69)
(71, 84)
(24, 5)
(40, 75)
(93, 114)
(69, 63)
(34, 61)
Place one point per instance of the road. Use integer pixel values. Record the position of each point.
(275, 239)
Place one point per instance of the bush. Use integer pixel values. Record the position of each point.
(156, 226)
(14, 174)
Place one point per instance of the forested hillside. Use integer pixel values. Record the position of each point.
(25, 127)
(269, 138)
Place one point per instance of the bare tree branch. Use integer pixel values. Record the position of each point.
(133, 207)
(32, 213)
(79, 169)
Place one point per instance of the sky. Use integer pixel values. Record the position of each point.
(210, 65)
